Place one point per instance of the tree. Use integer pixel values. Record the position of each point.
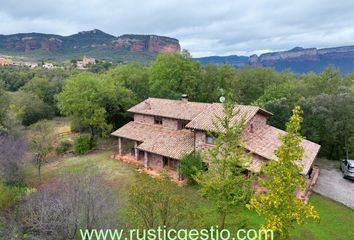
(190, 165)
(29, 108)
(281, 109)
(288, 89)
(41, 139)
(329, 121)
(252, 82)
(132, 76)
(15, 77)
(4, 103)
(81, 99)
(9, 123)
(328, 82)
(45, 89)
(227, 78)
(155, 202)
(279, 206)
(12, 152)
(173, 74)
(118, 101)
(225, 183)
(95, 101)
(58, 210)
(209, 84)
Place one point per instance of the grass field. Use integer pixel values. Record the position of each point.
(337, 221)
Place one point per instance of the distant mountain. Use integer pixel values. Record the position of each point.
(300, 60)
(95, 43)
(234, 60)
(307, 59)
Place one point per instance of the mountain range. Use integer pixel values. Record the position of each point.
(299, 60)
(144, 48)
(94, 43)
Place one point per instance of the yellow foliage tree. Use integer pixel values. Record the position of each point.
(279, 205)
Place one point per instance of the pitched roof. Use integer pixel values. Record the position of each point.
(174, 143)
(176, 109)
(157, 139)
(207, 118)
(264, 141)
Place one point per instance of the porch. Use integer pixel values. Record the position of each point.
(154, 172)
(151, 163)
(130, 148)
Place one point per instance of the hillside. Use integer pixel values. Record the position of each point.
(234, 60)
(300, 60)
(95, 43)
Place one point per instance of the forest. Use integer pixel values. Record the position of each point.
(52, 186)
(327, 99)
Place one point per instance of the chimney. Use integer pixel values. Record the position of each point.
(147, 105)
(251, 128)
(184, 98)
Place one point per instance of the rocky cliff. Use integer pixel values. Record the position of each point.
(299, 60)
(299, 54)
(86, 41)
(151, 43)
(30, 42)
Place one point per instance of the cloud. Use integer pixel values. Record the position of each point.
(204, 27)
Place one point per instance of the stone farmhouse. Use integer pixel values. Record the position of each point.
(164, 130)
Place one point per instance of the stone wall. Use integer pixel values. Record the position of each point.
(258, 121)
(144, 118)
(170, 123)
(155, 161)
(200, 139)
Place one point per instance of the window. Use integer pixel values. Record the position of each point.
(210, 138)
(182, 124)
(158, 120)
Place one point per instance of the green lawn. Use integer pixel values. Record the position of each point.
(337, 221)
(115, 172)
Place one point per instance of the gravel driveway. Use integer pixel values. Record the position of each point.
(330, 183)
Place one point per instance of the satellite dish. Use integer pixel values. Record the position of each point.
(222, 99)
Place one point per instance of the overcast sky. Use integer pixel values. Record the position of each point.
(219, 27)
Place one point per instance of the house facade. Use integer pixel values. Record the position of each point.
(164, 130)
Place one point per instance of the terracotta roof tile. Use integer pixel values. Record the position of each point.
(159, 140)
(169, 108)
(174, 143)
(264, 141)
(205, 120)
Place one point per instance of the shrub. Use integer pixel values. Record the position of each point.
(63, 147)
(9, 195)
(190, 165)
(83, 144)
(75, 126)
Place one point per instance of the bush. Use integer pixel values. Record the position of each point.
(63, 147)
(9, 195)
(77, 127)
(83, 144)
(190, 165)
